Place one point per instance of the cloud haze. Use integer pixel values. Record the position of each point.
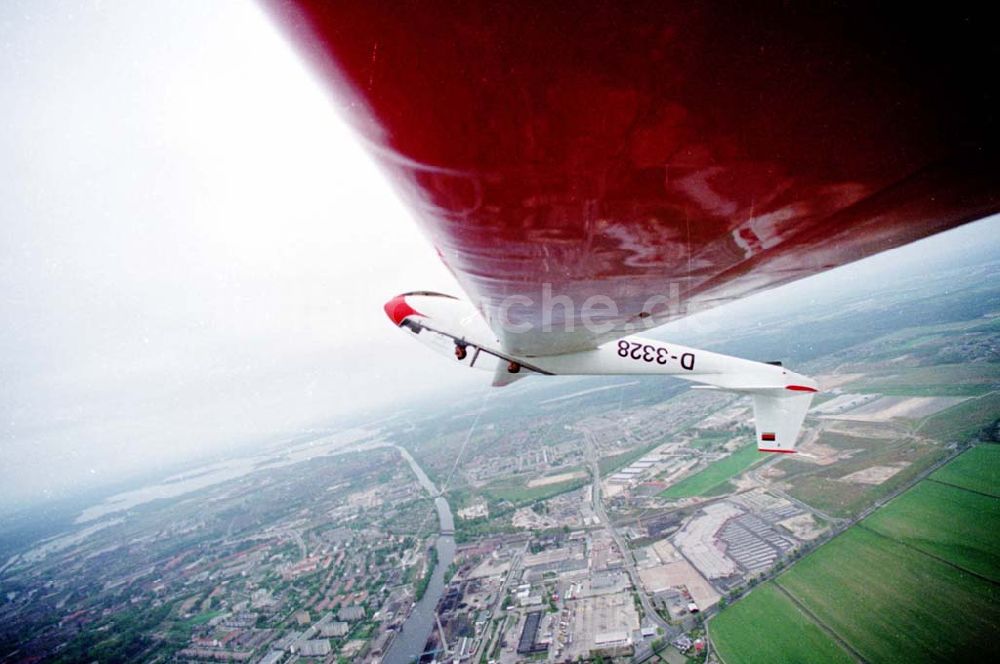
(194, 248)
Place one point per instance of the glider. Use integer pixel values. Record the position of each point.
(589, 170)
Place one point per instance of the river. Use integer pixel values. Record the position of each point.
(408, 645)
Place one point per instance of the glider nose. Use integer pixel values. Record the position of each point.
(398, 309)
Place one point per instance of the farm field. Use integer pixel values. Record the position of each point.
(707, 439)
(766, 627)
(895, 587)
(840, 441)
(953, 524)
(610, 464)
(824, 487)
(716, 473)
(936, 380)
(893, 603)
(518, 493)
(963, 421)
(978, 470)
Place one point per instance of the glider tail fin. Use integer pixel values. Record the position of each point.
(778, 409)
(778, 417)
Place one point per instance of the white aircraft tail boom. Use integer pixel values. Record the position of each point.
(781, 397)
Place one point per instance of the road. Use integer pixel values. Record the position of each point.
(597, 503)
(486, 644)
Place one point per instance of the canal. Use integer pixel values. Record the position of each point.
(408, 645)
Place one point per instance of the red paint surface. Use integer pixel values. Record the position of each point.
(695, 151)
(800, 388)
(762, 449)
(397, 309)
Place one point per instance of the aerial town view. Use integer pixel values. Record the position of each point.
(436, 332)
(614, 519)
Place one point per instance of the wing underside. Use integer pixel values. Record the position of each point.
(663, 158)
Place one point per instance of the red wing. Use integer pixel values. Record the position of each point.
(669, 156)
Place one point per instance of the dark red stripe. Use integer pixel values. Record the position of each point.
(800, 388)
(764, 449)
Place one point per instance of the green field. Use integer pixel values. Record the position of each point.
(937, 380)
(823, 488)
(767, 628)
(715, 474)
(895, 604)
(840, 441)
(200, 619)
(519, 493)
(956, 390)
(611, 464)
(953, 524)
(707, 439)
(963, 421)
(977, 469)
(895, 587)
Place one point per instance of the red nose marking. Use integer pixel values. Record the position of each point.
(397, 309)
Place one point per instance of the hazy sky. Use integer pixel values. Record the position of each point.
(194, 249)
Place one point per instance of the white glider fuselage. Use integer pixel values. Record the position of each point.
(781, 397)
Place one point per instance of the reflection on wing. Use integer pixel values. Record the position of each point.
(666, 157)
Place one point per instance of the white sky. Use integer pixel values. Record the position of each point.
(194, 250)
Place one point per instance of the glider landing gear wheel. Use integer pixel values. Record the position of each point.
(460, 352)
(513, 367)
